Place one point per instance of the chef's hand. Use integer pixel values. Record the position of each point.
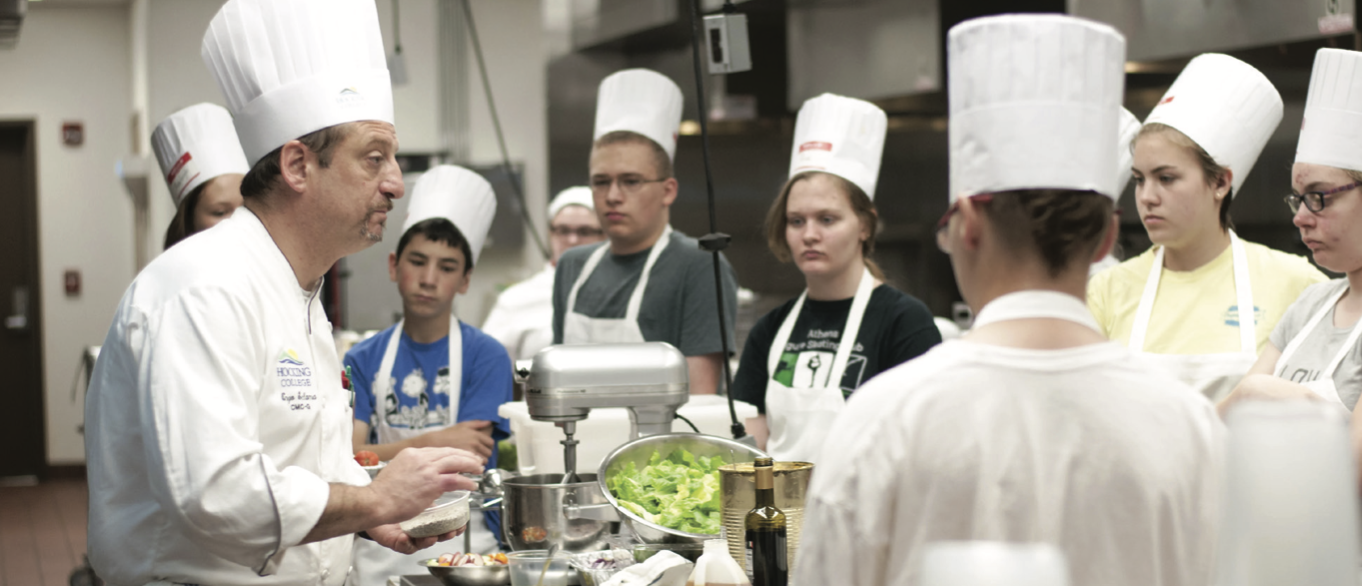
(474, 436)
(394, 538)
(417, 476)
(1265, 387)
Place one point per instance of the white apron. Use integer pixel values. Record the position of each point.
(1214, 375)
(799, 416)
(1324, 385)
(373, 562)
(580, 329)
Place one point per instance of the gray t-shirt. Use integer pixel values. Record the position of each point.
(678, 306)
(1321, 345)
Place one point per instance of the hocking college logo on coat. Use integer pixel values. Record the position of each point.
(290, 358)
(296, 377)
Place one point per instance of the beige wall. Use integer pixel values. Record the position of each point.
(72, 63)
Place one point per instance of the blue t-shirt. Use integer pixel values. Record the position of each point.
(420, 398)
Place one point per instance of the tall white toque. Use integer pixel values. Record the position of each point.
(1225, 106)
(195, 145)
(291, 67)
(641, 101)
(1331, 134)
(456, 194)
(842, 136)
(1035, 103)
(1126, 131)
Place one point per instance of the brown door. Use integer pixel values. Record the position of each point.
(21, 391)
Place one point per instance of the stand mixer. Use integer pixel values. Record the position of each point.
(565, 383)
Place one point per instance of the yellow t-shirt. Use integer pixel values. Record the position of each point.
(1196, 312)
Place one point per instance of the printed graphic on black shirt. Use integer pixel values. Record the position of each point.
(808, 363)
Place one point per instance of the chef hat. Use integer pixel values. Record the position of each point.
(841, 136)
(1034, 104)
(572, 196)
(1225, 106)
(1332, 131)
(641, 101)
(458, 195)
(194, 145)
(292, 67)
(1127, 128)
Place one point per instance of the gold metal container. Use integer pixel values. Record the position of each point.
(738, 483)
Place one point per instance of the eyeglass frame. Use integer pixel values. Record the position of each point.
(1294, 200)
(620, 180)
(951, 211)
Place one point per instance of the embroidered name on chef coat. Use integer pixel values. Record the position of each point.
(295, 381)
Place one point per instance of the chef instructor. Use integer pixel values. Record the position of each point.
(648, 283)
(217, 429)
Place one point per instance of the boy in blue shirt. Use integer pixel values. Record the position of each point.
(431, 380)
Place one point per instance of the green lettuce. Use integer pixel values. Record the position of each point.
(680, 491)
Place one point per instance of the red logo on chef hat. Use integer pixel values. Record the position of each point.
(815, 145)
(1165, 100)
(175, 170)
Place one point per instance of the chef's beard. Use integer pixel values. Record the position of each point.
(371, 236)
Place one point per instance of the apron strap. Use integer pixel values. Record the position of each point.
(1243, 291)
(384, 383)
(846, 342)
(636, 297)
(1296, 342)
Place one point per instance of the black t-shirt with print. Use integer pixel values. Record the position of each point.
(897, 327)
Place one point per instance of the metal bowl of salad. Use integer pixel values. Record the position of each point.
(666, 487)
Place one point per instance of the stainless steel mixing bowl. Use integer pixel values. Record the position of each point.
(641, 450)
(497, 575)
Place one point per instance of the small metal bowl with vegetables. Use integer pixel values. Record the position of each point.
(667, 486)
(470, 569)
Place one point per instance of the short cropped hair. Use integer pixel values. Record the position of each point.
(442, 231)
(661, 162)
(1060, 227)
(266, 171)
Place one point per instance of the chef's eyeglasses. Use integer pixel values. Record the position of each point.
(942, 242)
(1314, 200)
(629, 184)
(580, 231)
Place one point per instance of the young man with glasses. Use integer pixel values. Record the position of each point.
(648, 283)
(522, 319)
(1313, 353)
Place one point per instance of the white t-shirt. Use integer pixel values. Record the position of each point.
(1086, 448)
(1321, 345)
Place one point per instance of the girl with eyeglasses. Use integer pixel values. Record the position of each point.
(1201, 302)
(1314, 352)
(806, 357)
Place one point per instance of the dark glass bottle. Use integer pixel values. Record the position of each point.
(767, 558)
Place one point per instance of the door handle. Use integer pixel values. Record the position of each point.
(18, 320)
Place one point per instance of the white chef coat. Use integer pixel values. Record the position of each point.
(1085, 448)
(215, 421)
(522, 319)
